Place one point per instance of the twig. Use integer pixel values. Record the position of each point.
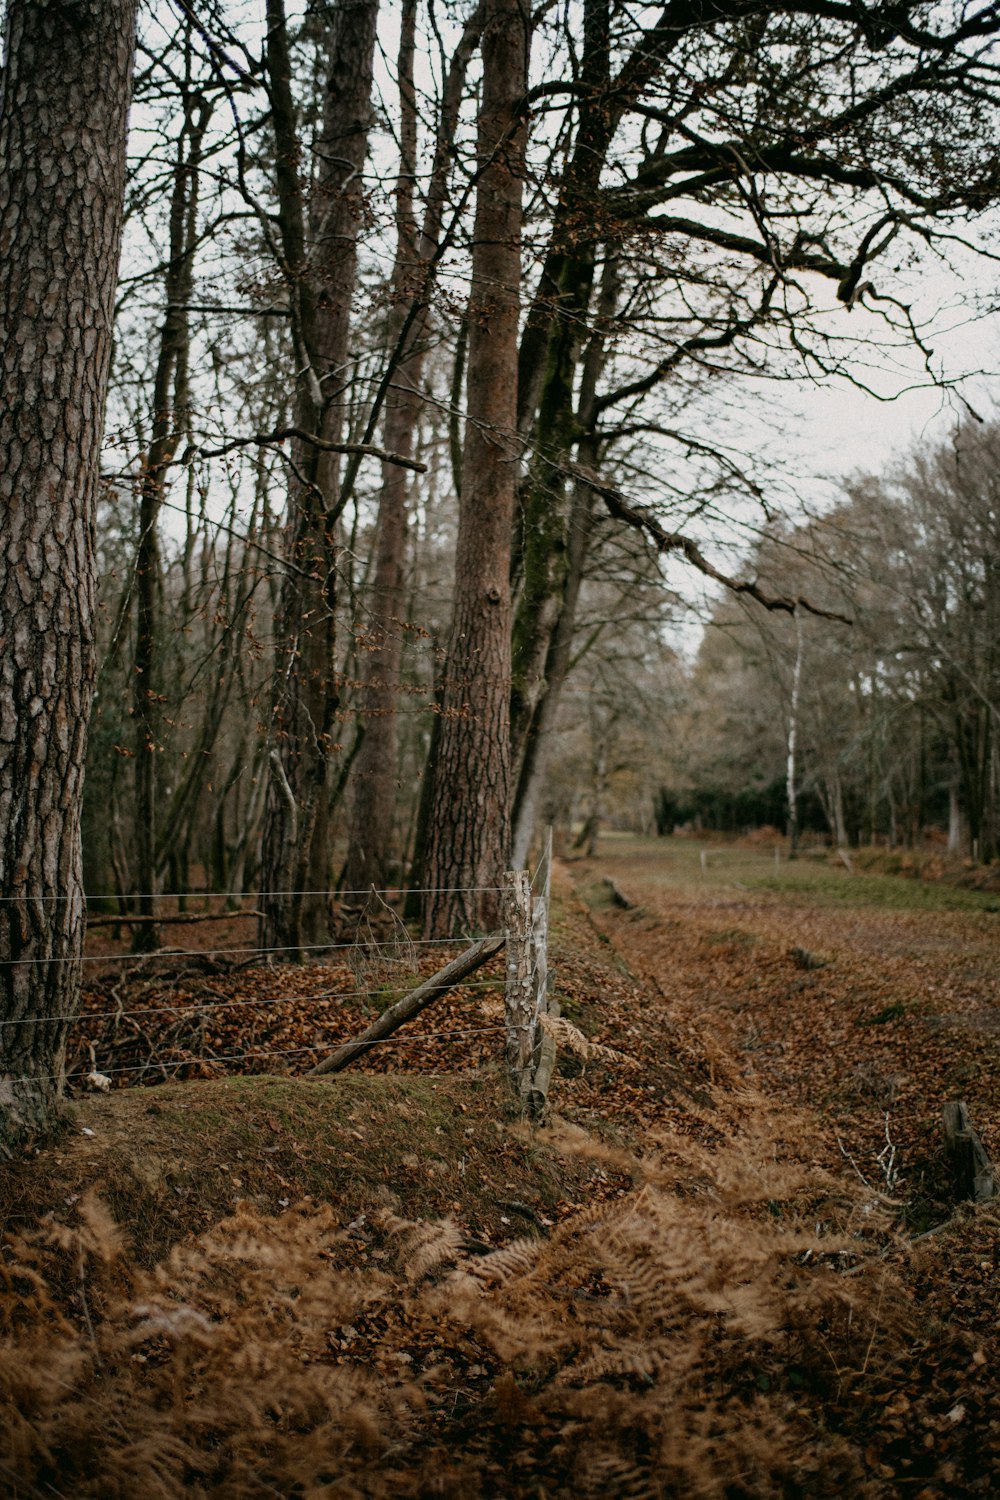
(642, 519)
(325, 445)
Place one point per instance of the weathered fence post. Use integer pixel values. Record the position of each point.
(975, 1177)
(541, 1077)
(519, 1004)
(530, 1049)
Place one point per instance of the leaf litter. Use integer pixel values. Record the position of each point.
(707, 1274)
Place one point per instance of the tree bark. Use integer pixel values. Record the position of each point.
(320, 267)
(371, 845)
(63, 116)
(469, 827)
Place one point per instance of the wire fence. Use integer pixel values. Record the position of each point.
(259, 1054)
(259, 1001)
(185, 1035)
(207, 895)
(159, 954)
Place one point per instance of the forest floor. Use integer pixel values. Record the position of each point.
(732, 1263)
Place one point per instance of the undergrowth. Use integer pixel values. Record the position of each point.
(704, 1334)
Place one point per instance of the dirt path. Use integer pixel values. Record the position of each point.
(865, 1002)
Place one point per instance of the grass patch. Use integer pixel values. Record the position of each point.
(173, 1160)
(830, 887)
(814, 878)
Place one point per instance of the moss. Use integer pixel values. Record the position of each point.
(171, 1161)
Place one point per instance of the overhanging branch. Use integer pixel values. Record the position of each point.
(642, 520)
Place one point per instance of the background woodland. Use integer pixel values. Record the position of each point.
(698, 192)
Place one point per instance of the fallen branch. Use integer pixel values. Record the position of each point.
(128, 919)
(412, 1004)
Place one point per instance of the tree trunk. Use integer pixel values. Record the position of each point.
(791, 787)
(588, 835)
(534, 710)
(371, 847)
(63, 115)
(549, 360)
(470, 819)
(320, 267)
(955, 830)
(169, 416)
(541, 726)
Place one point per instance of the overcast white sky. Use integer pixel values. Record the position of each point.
(837, 429)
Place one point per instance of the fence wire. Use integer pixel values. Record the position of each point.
(200, 1007)
(191, 1062)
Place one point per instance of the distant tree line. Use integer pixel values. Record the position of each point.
(899, 712)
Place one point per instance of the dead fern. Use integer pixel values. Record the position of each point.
(628, 1354)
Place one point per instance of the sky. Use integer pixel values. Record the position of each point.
(838, 429)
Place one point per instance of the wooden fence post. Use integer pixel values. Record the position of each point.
(975, 1177)
(518, 993)
(531, 1051)
(540, 930)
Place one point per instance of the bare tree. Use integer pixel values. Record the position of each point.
(170, 414)
(370, 846)
(319, 264)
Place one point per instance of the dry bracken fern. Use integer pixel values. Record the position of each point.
(617, 1357)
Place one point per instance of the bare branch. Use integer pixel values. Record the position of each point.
(326, 445)
(641, 519)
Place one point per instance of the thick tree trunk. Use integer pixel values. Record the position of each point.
(469, 827)
(63, 112)
(320, 255)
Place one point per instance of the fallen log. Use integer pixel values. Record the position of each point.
(412, 1004)
(975, 1177)
(618, 896)
(131, 919)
